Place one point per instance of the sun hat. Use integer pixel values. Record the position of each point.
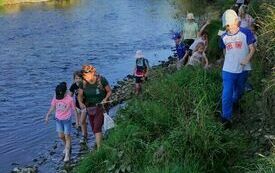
(60, 91)
(176, 36)
(190, 16)
(139, 54)
(229, 17)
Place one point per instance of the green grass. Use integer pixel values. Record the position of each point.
(172, 126)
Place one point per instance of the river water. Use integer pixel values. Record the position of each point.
(42, 44)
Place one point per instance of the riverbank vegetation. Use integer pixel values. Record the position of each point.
(174, 127)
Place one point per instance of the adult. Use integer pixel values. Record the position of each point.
(96, 91)
(182, 50)
(190, 29)
(141, 70)
(238, 46)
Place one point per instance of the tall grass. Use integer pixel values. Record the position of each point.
(172, 128)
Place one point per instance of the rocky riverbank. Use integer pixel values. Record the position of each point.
(122, 91)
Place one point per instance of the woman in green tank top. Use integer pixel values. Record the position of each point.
(96, 91)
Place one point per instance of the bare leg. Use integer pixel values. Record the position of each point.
(138, 88)
(77, 118)
(98, 139)
(62, 137)
(84, 124)
(67, 147)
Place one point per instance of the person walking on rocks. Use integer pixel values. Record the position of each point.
(81, 113)
(238, 46)
(63, 105)
(141, 70)
(96, 91)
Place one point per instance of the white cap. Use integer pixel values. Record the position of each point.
(229, 17)
(139, 54)
(190, 16)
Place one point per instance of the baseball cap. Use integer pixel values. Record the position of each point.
(176, 36)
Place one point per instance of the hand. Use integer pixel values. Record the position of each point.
(104, 100)
(82, 106)
(208, 22)
(46, 119)
(244, 61)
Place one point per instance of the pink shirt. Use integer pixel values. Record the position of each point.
(63, 108)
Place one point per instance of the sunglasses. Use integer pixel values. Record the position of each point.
(85, 71)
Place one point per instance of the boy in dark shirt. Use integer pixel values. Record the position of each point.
(81, 113)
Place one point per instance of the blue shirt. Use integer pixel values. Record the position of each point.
(181, 50)
(236, 49)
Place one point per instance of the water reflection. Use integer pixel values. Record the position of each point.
(56, 4)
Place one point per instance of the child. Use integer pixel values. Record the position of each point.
(182, 50)
(202, 37)
(141, 70)
(198, 57)
(81, 113)
(63, 105)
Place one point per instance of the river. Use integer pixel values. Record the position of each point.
(42, 44)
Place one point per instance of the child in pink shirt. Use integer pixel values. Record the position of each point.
(63, 105)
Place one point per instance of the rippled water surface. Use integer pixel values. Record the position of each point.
(44, 43)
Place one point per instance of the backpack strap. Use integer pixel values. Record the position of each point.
(98, 81)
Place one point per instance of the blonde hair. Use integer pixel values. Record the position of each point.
(199, 45)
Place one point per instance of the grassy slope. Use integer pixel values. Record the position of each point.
(173, 128)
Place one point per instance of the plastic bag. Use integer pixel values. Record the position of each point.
(108, 122)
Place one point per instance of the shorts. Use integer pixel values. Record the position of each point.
(64, 126)
(78, 110)
(139, 79)
(96, 118)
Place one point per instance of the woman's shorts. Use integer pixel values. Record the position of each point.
(80, 111)
(64, 126)
(139, 79)
(96, 118)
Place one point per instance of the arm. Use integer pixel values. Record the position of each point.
(71, 94)
(206, 61)
(185, 56)
(134, 72)
(147, 68)
(80, 98)
(247, 59)
(74, 109)
(48, 114)
(108, 93)
(203, 28)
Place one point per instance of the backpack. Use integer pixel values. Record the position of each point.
(141, 66)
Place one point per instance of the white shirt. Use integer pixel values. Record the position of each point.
(236, 49)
